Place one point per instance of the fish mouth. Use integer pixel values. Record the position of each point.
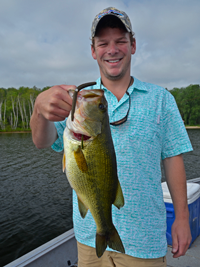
(76, 131)
(80, 137)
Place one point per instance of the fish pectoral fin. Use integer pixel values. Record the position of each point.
(63, 163)
(119, 199)
(80, 160)
(82, 208)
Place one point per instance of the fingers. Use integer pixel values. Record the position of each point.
(66, 88)
(181, 238)
(175, 245)
(54, 113)
(181, 249)
(55, 103)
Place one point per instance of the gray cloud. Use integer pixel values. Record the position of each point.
(48, 42)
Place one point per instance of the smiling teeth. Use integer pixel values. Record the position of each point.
(113, 61)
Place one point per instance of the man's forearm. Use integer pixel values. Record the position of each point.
(176, 180)
(44, 133)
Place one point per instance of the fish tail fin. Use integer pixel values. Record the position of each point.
(101, 244)
(112, 239)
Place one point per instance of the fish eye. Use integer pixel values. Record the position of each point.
(101, 106)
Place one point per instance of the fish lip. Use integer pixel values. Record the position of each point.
(74, 137)
(68, 132)
(97, 93)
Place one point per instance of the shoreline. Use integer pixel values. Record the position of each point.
(187, 127)
(192, 127)
(15, 132)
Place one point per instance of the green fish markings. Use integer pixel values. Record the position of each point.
(90, 164)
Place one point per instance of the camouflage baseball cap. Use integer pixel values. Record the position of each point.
(115, 12)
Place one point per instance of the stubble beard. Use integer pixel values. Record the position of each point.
(116, 77)
(112, 77)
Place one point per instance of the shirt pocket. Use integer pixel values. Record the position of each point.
(145, 129)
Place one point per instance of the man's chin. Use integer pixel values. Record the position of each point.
(114, 77)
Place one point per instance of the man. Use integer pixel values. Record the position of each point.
(151, 129)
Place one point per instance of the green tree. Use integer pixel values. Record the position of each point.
(188, 102)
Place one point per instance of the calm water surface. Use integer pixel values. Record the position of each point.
(35, 196)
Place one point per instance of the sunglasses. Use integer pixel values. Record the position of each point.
(120, 122)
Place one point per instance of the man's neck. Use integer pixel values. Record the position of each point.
(117, 87)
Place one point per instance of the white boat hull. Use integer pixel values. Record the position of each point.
(60, 251)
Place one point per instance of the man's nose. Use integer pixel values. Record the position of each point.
(113, 49)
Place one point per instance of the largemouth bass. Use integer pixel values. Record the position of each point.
(90, 164)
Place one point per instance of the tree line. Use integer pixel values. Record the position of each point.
(188, 102)
(16, 106)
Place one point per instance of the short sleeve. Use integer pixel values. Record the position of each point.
(58, 144)
(175, 138)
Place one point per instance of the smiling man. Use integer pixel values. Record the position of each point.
(146, 128)
(112, 47)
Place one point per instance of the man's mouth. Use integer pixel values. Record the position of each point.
(113, 61)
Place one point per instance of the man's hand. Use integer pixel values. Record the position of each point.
(55, 103)
(51, 105)
(181, 237)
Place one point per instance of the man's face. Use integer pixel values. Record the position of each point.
(112, 50)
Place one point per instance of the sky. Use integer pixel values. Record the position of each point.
(47, 42)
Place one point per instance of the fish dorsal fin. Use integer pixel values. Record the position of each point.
(119, 200)
(82, 208)
(63, 163)
(80, 159)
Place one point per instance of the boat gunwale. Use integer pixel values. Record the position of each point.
(194, 180)
(42, 250)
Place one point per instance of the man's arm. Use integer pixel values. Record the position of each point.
(176, 180)
(51, 105)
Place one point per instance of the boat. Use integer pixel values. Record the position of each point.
(62, 251)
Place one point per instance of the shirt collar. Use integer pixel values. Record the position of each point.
(137, 84)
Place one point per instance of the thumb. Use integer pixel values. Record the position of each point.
(174, 244)
(68, 87)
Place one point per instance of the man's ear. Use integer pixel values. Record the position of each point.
(93, 52)
(133, 47)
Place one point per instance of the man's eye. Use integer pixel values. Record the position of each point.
(122, 42)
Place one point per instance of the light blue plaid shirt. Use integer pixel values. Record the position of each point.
(154, 131)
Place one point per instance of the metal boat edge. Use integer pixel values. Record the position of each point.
(59, 251)
(194, 180)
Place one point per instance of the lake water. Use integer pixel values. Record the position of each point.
(35, 196)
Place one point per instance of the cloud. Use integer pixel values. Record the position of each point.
(48, 42)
